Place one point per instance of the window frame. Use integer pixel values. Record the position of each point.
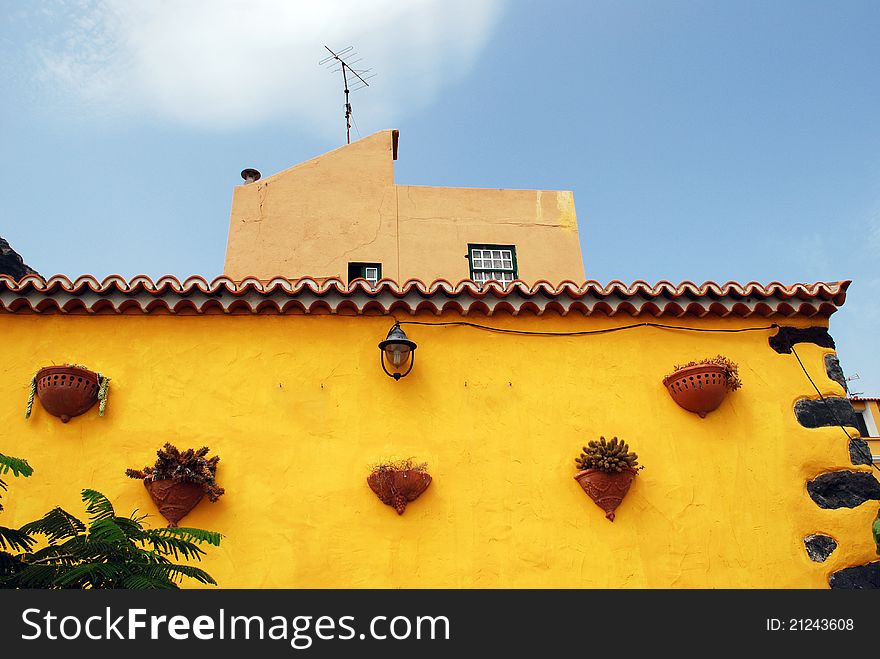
(513, 270)
(867, 418)
(361, 267)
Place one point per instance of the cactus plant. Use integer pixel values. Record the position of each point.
(612, 457)
(607, 470)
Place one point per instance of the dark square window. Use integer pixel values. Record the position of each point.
(372, 272)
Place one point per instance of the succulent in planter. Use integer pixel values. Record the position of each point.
(68, 391)
(179, 479)
(607, 470)
(875, 530)
(700, 386)
(399, 482)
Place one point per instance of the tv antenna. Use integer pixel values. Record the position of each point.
(343, 61)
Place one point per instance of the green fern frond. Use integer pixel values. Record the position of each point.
(176, 547)
(36, 576)
(114, 552)
(97, 505)
(131, 527)
(57, 524)
(10, 565)
(52, 555)
(17, 466)
(15, 540)
(106, 530)
(191, 535)
(177, 572)
(146, 582)
(88, 575)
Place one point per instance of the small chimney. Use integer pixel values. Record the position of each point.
(250, 175)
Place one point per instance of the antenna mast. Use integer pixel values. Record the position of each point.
(336, 62)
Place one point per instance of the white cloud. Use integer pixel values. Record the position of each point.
(216, 64)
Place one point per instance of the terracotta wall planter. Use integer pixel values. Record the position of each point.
(67, 391)
(397, 487)
(174, 500)
(607, 489)
(699, 389)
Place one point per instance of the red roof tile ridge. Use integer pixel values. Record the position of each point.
(117, 294)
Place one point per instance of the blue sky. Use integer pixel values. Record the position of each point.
(745, 133)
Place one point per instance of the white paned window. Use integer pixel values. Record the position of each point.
(492, 263)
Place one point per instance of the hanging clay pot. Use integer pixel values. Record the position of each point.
(607, 489)
(397, 487)
(174, 499)
(699, 389)
(67, 391)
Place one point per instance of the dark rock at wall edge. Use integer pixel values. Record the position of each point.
(844, 489)
(786, 337)
(858, 577)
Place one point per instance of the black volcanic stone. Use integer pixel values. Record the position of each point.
(12, 264)
(786, 337)
(860, 452)
(819, 547)
(843, 489)
(830, 411)
(834, 371)
(861, 577)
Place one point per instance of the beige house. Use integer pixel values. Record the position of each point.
(341, 215)
(868, 417)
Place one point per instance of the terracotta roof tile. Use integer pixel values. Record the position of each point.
(115, 294)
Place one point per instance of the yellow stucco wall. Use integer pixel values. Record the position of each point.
(315, 218)
(298, 409)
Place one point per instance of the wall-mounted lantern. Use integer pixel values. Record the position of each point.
(398, 352)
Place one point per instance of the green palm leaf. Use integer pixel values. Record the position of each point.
(57, 524)
(36, 576)
(97, 505)
(146, 582)
(17, 466)
(113, 552)
(90, 575)
(106, 530)
(15, 540)
(177, 572)
(192, 535)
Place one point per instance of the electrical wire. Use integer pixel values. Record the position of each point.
(501, 330)
(829, 408)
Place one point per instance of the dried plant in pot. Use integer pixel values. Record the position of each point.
(398, 483)
(68, 391)
(179, 479)
(607, 470)
(701, 386)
